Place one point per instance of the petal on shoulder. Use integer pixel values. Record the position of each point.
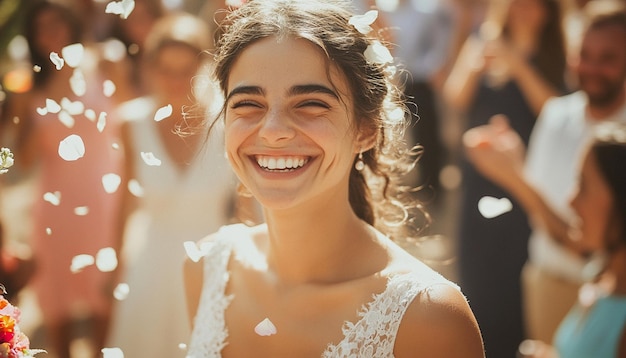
(439, 323)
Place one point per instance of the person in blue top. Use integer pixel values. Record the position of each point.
(596, 325)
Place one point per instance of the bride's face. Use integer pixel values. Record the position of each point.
(289, 124)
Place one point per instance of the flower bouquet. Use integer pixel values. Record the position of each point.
(13, 342)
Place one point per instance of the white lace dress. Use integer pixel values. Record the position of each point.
(373, 335)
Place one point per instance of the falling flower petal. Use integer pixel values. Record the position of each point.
(265, 328)
(111, 182)
(182, 346)
(135, 188)
(48, 231)
(194, 252)
(37, 68)
(102, 121)
(52, 106)
(150, 159)
(122, 8)
(53, 198)
(81, 210)
(73, 108)
(66, 119)
(108, 88)
(163, 113)
(79, 262)
(78, 83)
(115, 146)
(72, 148)
(56, 60)
(90, 114)
(121, 291)
(73, 54)
(376, 52)
(42, 111)
(491, 207)
(106, 259)
(235, 3)
(112, 353)
(362, 22)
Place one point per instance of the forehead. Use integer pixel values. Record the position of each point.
(609, 38)
(274, 63)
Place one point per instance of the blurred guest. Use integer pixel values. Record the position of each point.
(183, 199)
(126, 71)
(73, 213)
(423, 33)
(553, 274)
(512, 66)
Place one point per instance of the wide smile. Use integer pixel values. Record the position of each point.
(281, 164)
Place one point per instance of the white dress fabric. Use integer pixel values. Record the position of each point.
(372, 336)
(176, 206)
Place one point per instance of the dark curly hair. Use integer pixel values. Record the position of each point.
(376, 194)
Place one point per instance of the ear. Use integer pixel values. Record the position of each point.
(365, 140)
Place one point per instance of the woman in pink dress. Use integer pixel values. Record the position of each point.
(73, 214)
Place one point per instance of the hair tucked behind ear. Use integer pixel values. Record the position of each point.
(375, 193)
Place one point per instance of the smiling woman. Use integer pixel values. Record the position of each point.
(313, 129)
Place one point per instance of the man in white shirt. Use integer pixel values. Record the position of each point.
(545, 180)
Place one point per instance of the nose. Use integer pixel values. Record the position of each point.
(276, 127)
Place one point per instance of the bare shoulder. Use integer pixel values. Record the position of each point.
(439, 323)
(193, 268)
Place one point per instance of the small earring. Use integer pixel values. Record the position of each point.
(359, 165)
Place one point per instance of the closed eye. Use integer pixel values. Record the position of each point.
(312, 103)
(245, 103)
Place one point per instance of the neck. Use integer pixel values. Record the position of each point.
(603, 112)
(317, 243)
(617, 268)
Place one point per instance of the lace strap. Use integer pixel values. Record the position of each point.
(375, 333)
(209, 334)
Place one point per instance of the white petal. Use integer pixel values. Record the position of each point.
(48, 231)
(79, 262)
(90, 114)
(78, 83)
(135, 188)
(378, 53)
(111, 182)
(106, 259)
(108, 88)
(73, 54)
(52, 106)
(53, 198)
(265, 328)
(102, 121)
(163, 113)
(72, 148)
(150, 159)
(115, 146)
(122, 8)
(56, 60)
(362, 22)
(121, 291)
(491, 207)
(182, 346)
(42, 111)
(194, 252)
(112, 353)
(36, 68)
(81, 210)
(66, 119)
(73, 108)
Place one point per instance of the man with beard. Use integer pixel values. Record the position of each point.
(544, 181)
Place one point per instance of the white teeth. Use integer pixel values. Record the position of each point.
(287, 163)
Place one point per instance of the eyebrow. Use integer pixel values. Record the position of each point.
(293, 91)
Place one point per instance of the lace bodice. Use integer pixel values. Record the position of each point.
(373, 335)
